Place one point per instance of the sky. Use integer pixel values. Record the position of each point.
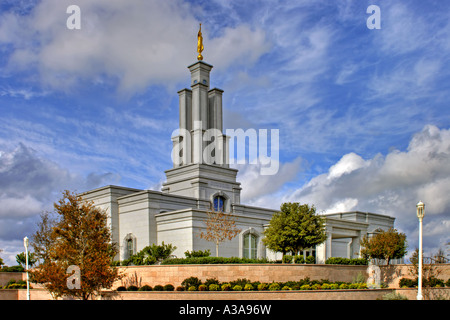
(362, 113)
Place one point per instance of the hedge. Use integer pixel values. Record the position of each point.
(12, 269)
(347, 261)
(413, 283)
(213, 260)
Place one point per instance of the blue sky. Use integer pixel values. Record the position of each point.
(363, 114)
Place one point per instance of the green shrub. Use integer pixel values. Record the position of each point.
(237, 288)
(197, 254)
(132, 288)
(169, 287)
(299, 259)
(353, 286)
(316, 286)
(326, 286)
(240, 282)
(13, 284)
(408, 283)
(362, 285)
(338, 260)
(447, 284)
(145, 287)
(192, 288)
(202, 287)
(158, 287)
(121, 288)
(214, 287)
(213, 260)
(334, 286)
(286, 288)
(343, 286)
(305, 287)
(226, 287)
(359, 278)
(274, 286)
(180, 288)
(310, 260)
(394, 296)
(433, 282)
(12, 269)
(263, 286)
(192, 281)
(287, 259)
(211, 281)
(248, 287)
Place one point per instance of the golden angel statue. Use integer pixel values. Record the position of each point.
(200, 44)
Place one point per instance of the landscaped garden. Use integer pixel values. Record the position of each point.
(195, 284)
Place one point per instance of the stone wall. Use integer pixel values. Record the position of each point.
(391, 275)
(6, 276)
(175, 274)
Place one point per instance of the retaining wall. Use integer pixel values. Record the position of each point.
(175, 274)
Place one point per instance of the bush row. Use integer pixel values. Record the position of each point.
(13, 284)
(12, 269)
(195, 284)
(432, 282)
(299, 259)
(354, 262)
(167, 287)
(213, 260)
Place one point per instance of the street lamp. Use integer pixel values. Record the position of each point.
(420, 214)
(25, 243)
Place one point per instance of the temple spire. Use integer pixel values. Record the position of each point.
(200, 43)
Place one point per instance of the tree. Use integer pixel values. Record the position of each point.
(385, 245)
(21, 259)
(219, 228)
(77, 235)
(295, 227)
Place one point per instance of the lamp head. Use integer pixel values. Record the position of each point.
(25, 241)
(420, 210)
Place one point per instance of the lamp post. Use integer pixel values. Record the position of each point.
(25, 243)
(420, 214)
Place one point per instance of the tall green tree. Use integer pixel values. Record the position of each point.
(386, 245)
(78, 236)
(295, 227)
(22, 260)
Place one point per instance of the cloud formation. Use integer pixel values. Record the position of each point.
(134, 45)
(391, 184)
(29, 184)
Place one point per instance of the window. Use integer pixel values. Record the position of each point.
(250, 246)
(219, 203)
(130, 250)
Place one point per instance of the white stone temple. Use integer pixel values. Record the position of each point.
(178, 212)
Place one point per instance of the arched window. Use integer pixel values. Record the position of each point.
(130, 247)
(219, 203)
(250, 246)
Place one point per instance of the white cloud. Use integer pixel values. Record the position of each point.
(262, 190)
(29, 183)
(391, 185)
(348, 163)
(137, 44)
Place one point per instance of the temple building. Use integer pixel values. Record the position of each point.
(194, 185)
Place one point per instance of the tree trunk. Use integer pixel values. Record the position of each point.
(217, 249)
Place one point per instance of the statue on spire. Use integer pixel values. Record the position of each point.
(200, 43)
